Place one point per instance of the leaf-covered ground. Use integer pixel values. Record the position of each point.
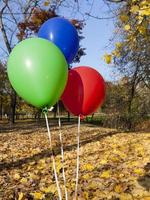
(113, 165)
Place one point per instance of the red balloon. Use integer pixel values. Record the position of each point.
(85, 91)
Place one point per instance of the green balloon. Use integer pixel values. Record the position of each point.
(38, 72)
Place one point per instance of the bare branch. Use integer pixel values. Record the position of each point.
(116, 1)
(11, 13)
(4, 51)
(100, 18)
(12, 35)
(3, 28)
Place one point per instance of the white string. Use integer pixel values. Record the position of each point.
(78, 158)
(62, 151)
(53, 159)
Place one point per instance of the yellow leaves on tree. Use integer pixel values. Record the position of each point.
(116, 53)
(145, 12)
(118, 45)
(144, 8)
(127, 27)
(108, 58)
(124, 18)
(134, 9)
(133, 22)
(141, 8)
(142, 30)
(46, 3)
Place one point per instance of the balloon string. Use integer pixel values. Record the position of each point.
(78, 158)
(53, 158)
(62, 151)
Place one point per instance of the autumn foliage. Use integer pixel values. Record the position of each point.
(108, 169)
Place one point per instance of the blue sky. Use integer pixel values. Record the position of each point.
(97, 34)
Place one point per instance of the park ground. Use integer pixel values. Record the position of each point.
(114, 165)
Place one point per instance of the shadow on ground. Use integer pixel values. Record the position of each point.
(47, 152)
(144, 181)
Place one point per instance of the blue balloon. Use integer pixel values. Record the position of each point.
(63, 34)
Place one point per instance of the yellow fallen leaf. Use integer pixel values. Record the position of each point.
(24, 180)
(115, 158)
(118, 188)
(86, 176)
(138, 171)
(29, 167)
(46, 189)
(33, 176)
(105, 174)
(125, 196)
(146, 198)
(133, 164)
(16, 176)
(37, 195)
(86, 195)
(20, 196)
(93, 185)
(40, 167)
(121, 154)
(41, 161)
(71, 185)
(103, 162)
(52, 188)
(88, 167)
(32, 163)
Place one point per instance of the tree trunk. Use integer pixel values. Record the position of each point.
(13, 107)
(129, 119)
(134, 83)
(68, 116)
(1, 108)
(92, 117)
(55, 111)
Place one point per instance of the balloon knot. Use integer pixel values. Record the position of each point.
(82, 117)
(45, 110)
